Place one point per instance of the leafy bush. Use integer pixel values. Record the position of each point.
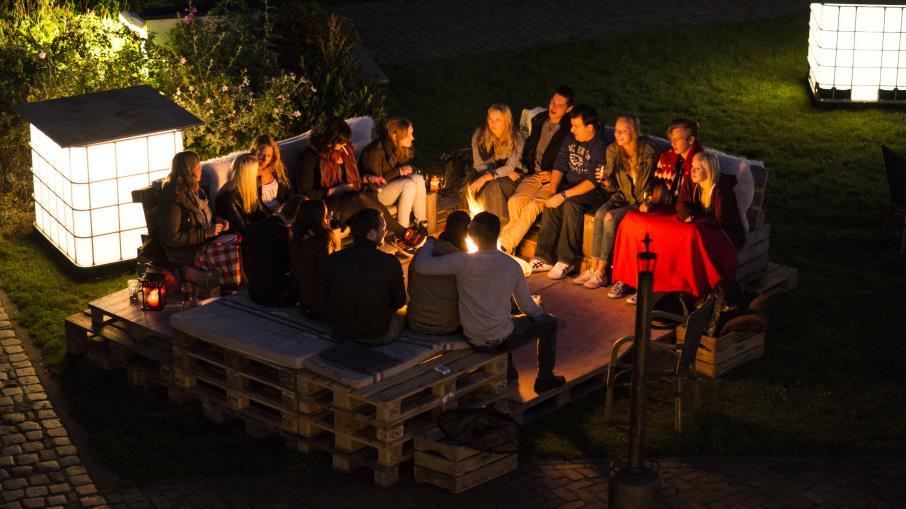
(242, 71)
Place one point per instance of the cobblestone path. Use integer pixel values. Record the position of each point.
(400, 31)
(39, 466)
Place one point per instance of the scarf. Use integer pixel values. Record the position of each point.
(332, 174)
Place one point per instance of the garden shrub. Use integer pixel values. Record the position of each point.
(243, 71)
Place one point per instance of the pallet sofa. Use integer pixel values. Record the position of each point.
(752, 177)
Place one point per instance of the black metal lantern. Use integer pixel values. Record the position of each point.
(646, 259)
(154, 290)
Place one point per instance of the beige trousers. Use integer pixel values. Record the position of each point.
(524, 207)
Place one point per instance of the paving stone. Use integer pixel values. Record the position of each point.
(57, 432)
(14, 418)
(59, 488)
(22, 470)
(34, 503)
(36, 491)
(6, 461)
(66, 450)
(12, 450)
(17, 357)
(38, 480)
(11, 349)
(47, 414)
(9, 495)
(79, 480)
(86, 489)
(36, 389)
(29, 380)
(58, 441)
(31, 446)
(34, 435)
(77, 470)
(51, 423)
(11, 505)
(13, 484)
(27, 459)
(48, 466)
(12, 391)
(57, 500)
(48, 455)
(57, 476)
(92, 501)
(29, 426)
(25, 372)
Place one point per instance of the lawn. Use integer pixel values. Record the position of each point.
(830, 378)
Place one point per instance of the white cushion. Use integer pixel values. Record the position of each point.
(745, 183)
(525, 121)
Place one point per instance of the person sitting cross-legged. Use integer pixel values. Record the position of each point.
(265, 257)
(573, 178)
(486, 281)
(364, 285)
(313, 242)
(433, 300)
(549, 129)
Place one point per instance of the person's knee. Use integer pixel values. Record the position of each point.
(608, 219)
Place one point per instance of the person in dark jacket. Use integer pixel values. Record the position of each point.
(185, 218)
(327, 170)
(390, 159)
(549, 129)
(274, 188)
(576, 192)
(708, 199)
(265, 257)
(434, 300)
(629, 165)
(364, 285)
(238, 201)
(313, 241)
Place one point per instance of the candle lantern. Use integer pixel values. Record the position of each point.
(89, 152)
(154, 290)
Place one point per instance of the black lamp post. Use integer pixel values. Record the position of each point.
(633, 484)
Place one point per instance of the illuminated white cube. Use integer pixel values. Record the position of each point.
(857, 53)
(89, 153)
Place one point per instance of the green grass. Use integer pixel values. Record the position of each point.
(830, 382)
(832, 368)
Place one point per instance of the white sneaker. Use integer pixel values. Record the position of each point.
(597, 281)
(620, 290)
(585, 276)
(540, 265)
(632, 300)
(560, 270)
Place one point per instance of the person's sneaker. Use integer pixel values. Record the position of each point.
(413, 238)
(422, 227)
(583, 277)
(632, 299)
(402, 247)
(548, 382)
(597, 280)
(620, 290)
(560, 270)
(540, 265)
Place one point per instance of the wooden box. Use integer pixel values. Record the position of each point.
(457, 468)
(717, 356)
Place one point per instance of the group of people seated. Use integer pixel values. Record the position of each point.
(291, 253)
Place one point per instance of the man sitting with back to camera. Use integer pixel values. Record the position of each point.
(365, 285)
(486, 281)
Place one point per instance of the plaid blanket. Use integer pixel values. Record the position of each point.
(222, 254)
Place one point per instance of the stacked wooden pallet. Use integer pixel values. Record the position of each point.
(374, 427)
(455, 467)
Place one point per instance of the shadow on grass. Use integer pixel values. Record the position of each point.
(145, 436)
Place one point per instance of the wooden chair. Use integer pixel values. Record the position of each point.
(667, 362)
(895, 164)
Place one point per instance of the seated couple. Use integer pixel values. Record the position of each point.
(327, 170)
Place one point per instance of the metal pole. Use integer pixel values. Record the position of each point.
(639, 381)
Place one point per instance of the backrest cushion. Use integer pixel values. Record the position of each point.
(525, 120)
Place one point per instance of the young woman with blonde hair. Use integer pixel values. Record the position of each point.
(274, 187)
(238, 201)
(389, 158)
(629, 164)
(496, 149)
(707, 199)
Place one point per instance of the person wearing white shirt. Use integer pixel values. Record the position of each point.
(486, 280)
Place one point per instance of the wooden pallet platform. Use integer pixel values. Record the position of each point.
(109, 346)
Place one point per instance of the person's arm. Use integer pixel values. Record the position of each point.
(426, 263)
(513, 160)
(523, 298)
(607, 176)
(374, 162)
(308, 176)
(685, 208)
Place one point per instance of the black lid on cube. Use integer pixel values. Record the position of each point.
(104, 116)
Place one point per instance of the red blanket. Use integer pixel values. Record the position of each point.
(691, 257)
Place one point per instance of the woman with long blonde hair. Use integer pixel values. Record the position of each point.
(629, 164)
(708, 199)
(274, 187)
(389, 158)
(496, 149)
(238, 201)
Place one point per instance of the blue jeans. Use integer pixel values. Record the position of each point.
(560, 239)
(605, 230)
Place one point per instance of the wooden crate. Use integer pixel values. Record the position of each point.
(717, 356)
(436, 452)
(466, 481)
